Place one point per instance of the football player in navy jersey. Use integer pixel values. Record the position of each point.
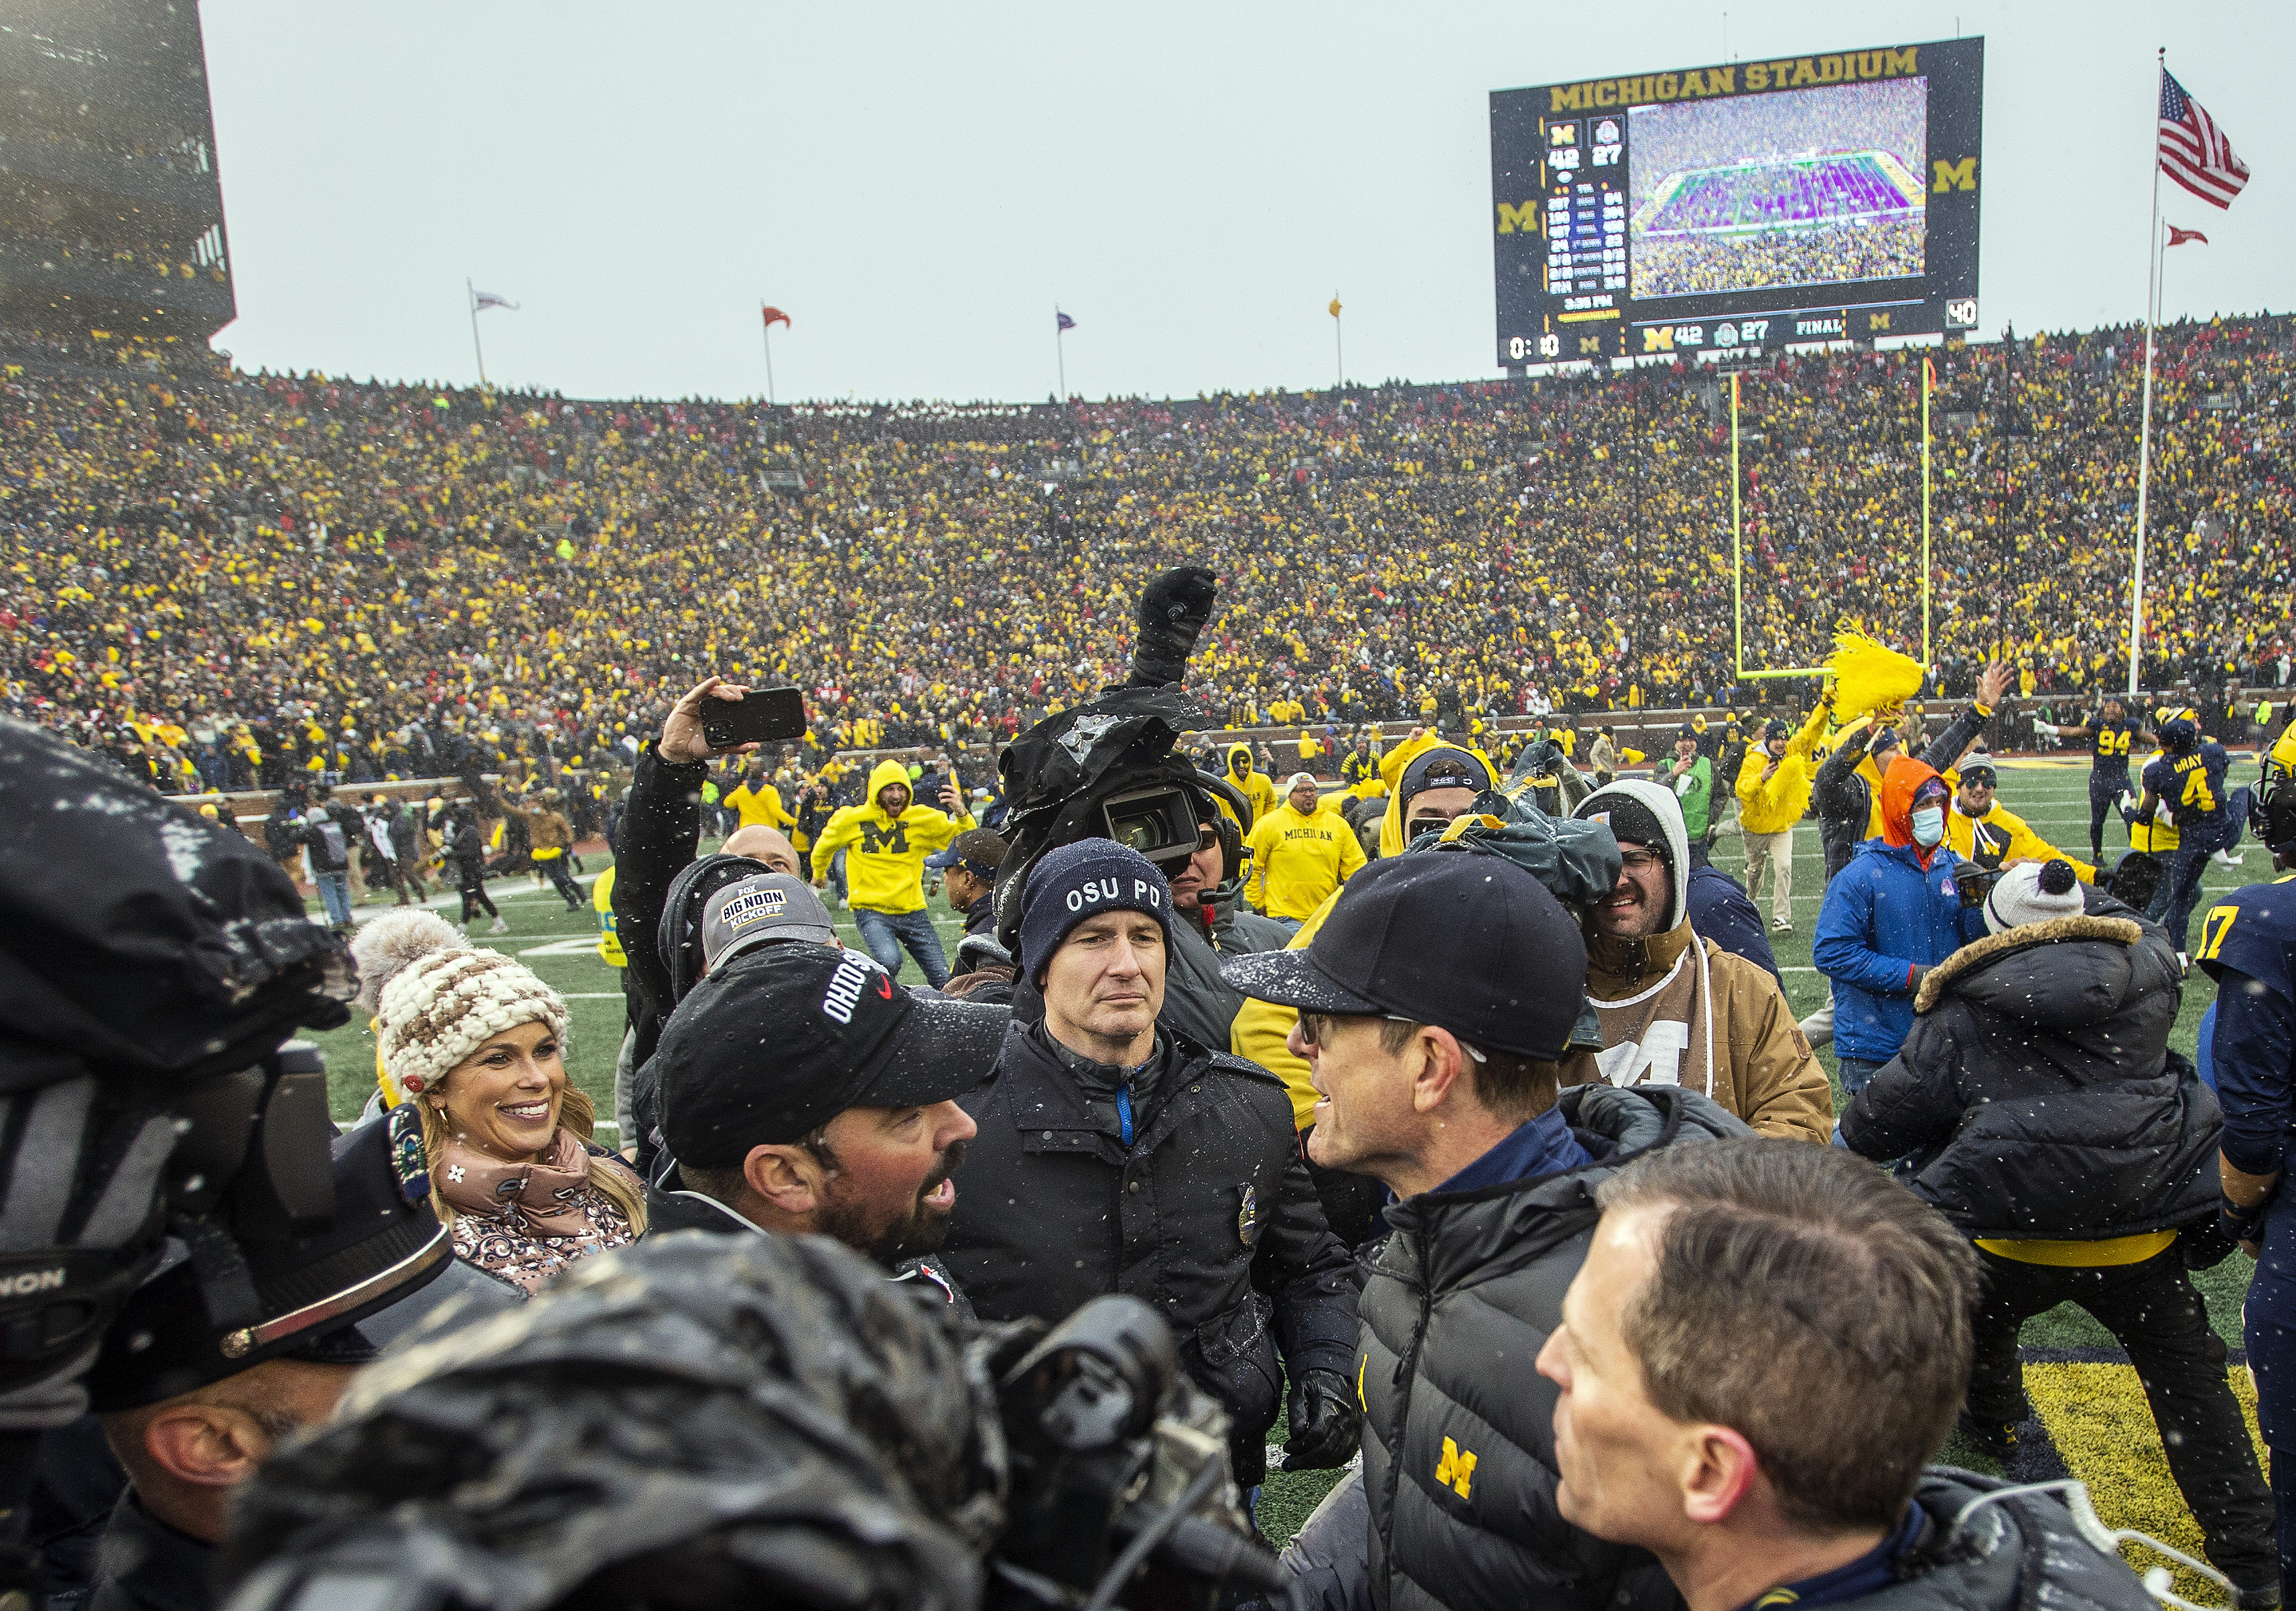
(2248, 946)
(2110, 732)
(2185, 785)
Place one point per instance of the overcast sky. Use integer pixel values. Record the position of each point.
(918, 186)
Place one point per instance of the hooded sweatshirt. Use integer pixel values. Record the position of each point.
(1892, 912)
(1677, 1010)
(1254, 785)
(885, 853)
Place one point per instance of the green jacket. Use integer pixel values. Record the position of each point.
(1695, 790)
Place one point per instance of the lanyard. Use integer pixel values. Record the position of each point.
(1124, 1110)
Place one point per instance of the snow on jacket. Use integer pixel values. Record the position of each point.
(1893, 909)
(1459, 1453)
(2037, 1092)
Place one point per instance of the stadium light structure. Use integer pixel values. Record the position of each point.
(1738, 546)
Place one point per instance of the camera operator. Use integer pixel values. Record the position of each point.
(141, 1021)
(801, 1093)
(1114, 1156)
(191, 1409)
(1763, 1346)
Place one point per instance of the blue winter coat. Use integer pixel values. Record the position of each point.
(1882, 916)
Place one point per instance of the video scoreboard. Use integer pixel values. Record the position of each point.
(1739, 207)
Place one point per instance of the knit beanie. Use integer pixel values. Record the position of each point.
(1083, 880)
(1634, 823)
(2034, 893)
(445, 1001)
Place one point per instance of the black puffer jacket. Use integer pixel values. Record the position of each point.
(2037, 1094)
(1209, 1216)
(1458, 1434)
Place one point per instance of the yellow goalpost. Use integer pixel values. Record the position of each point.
(1738, 542)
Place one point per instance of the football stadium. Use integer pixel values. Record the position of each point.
(1258, 997)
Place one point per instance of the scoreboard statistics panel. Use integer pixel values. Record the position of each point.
(1740, 207)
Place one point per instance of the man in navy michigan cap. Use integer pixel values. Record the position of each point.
(1115, 1156)
(1435, 1006)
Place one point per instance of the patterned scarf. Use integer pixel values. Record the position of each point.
(546, 1195)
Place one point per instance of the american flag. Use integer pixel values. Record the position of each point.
(2193, 151)
(1062, 321)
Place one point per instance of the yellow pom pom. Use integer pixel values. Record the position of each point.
(1869, 676)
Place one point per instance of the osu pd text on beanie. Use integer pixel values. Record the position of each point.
(1083, 880)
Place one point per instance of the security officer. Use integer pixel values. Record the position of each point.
(1114, 1156)
(2248, 946)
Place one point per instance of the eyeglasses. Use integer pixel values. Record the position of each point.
(1640, 861)
(1312, 1028)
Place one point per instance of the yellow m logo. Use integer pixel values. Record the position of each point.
(1456, 1467)
(1524, 217)
(1954, 176)
(1658, 338)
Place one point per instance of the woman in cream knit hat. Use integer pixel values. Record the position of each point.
(475, 1043)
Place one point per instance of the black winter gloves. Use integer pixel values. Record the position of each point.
(1323, 1423)
(1173, 607)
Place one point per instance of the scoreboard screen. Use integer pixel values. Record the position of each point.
(1740, 207)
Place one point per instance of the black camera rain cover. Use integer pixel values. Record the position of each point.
(1576, 861)
(137, 939)
(1058, 772)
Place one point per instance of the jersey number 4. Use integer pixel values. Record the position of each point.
(2197, 792)
(2214, 927)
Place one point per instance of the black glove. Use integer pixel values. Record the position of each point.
(2243, 1224)
(1173, 607)
(1325, 1425)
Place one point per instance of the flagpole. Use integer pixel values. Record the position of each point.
(1338, 344)
(1061, 352)
(2144, 435)
(769, 359)
(470, 295)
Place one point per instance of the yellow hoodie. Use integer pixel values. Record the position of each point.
(1262, 1029)
(1253, 785)
(885, 854)
(1777, 806)
(2008, 838)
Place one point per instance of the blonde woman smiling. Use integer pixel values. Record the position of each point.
(476, 1043)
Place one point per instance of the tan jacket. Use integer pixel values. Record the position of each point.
(548, 831)
(1765, 1071)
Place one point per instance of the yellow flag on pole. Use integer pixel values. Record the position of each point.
(1336, 307)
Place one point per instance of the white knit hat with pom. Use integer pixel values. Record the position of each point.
(441, 999)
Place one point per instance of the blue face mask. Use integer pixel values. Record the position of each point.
(1929, 826)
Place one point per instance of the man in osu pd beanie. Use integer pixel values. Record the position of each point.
(1114, 1156)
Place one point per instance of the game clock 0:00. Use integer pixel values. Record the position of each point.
(1741, 206)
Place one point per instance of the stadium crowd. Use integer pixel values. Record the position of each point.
(239, 577)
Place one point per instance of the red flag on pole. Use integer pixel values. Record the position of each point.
(2177, 237)
(774, 316)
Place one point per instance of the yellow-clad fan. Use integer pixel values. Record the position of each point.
(1774, 787)
(757, 803)
(1982, 830)
(886, 841)
(1254, 784)
(1301, 853)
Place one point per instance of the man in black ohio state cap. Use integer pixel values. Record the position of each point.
(1116, 1156)
(802, 1090)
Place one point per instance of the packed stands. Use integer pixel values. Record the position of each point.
(239, 576)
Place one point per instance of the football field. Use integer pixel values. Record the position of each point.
(2091, 1421)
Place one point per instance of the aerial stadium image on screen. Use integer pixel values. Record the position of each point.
(1809, 187)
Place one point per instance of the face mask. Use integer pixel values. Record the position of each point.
(1929, 825)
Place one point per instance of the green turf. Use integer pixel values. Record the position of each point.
(2054, 801)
